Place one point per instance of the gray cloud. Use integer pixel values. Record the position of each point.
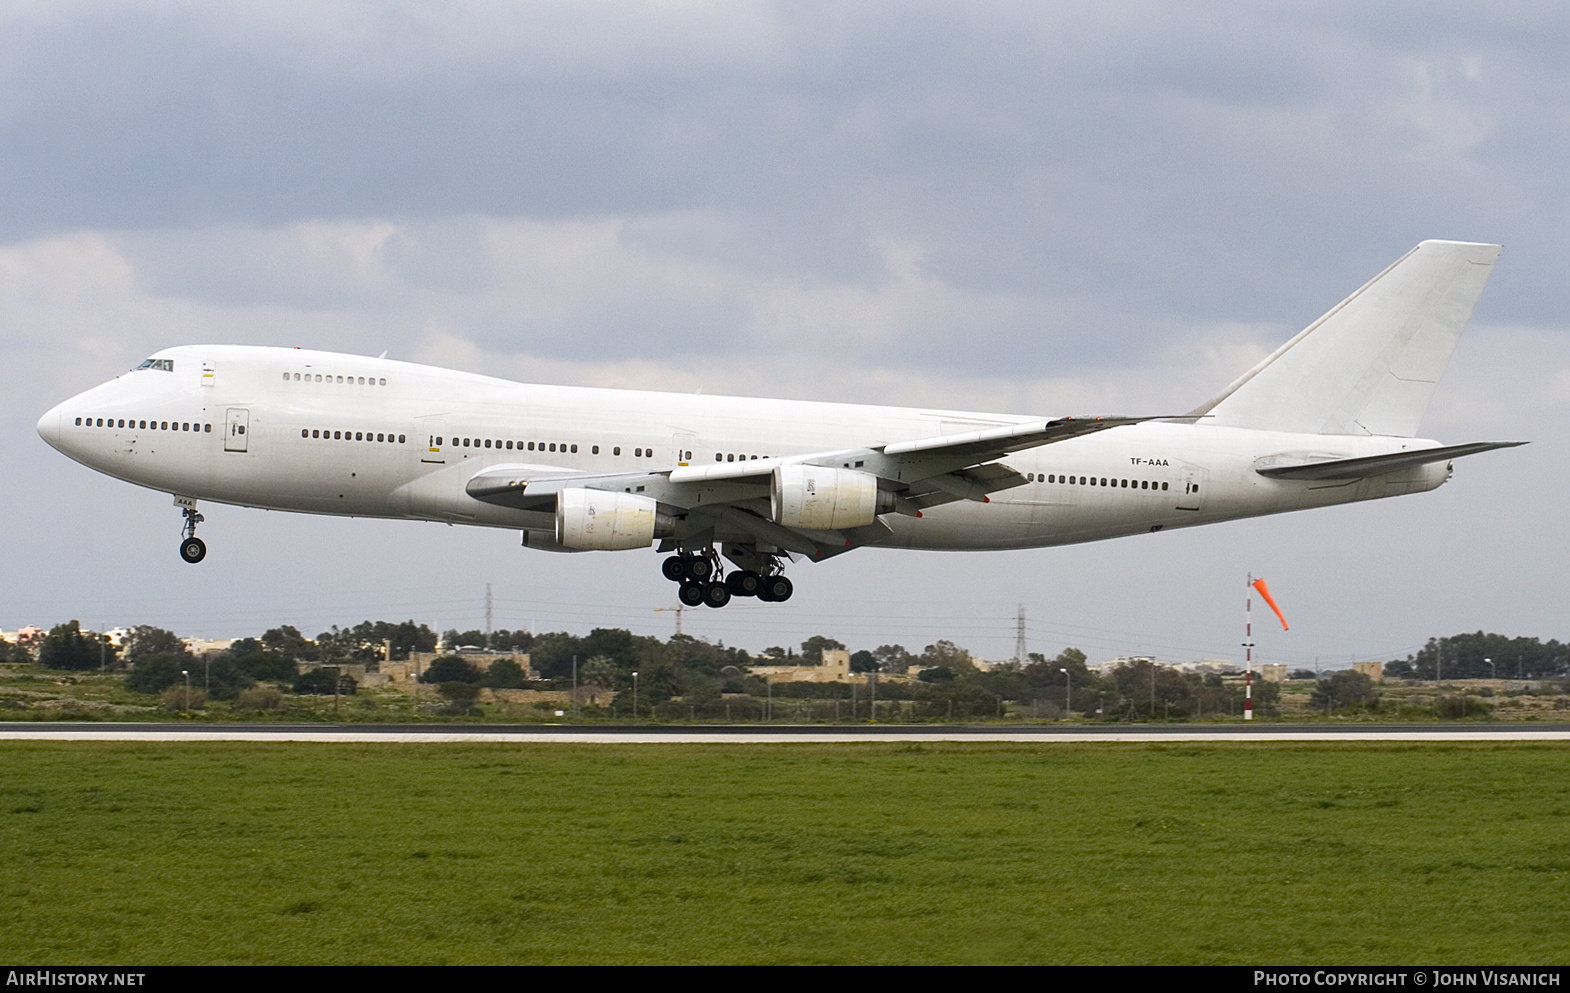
(1029, 146)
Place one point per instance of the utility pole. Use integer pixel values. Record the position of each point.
(1020, 654)
(489, 604)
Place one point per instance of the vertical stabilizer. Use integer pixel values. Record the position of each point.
(1371, 365)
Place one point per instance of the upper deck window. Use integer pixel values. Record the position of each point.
(167, 365)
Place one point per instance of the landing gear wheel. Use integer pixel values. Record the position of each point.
(699, 569)
(716, 595)
(775, 589)
(674, 568)
(691, 594)
(192, 548)
(744, 583)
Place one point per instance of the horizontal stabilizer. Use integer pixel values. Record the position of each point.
(1374, 465)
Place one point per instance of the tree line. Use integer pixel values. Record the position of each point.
(699, 673)
(1483, 656)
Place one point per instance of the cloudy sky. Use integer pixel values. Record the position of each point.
(1037, 208)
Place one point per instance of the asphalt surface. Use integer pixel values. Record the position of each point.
(743, 733)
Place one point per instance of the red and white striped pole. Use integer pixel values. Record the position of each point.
(1248, 652)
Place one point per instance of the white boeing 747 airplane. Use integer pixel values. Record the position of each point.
(1329, 418)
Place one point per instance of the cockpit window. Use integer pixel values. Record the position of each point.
(167, 365)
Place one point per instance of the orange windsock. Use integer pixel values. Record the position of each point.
(1264, 591)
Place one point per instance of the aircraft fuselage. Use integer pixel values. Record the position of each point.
(324, 433)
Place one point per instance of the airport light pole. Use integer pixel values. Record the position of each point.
(1492, 668)
(187, 674)
(635, 694)
(1068, 702)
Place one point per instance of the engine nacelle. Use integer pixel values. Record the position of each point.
(607, 521)
(545, 541)
(822, 498)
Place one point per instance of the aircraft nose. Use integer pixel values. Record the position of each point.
(49, 426)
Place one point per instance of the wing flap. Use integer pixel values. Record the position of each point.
(968, 484)
(760, 469)
(990, 443)
(532, 487)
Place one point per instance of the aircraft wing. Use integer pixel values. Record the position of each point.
(919, 473)
(922, 458)
(1308, 467)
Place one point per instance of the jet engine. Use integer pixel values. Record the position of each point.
(821, 497)
(545, 541)
(605, 520)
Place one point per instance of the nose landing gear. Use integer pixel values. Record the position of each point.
(192, 548)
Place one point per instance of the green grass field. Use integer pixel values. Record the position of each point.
(145, 853)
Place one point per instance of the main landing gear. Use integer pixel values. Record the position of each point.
(192, 548)
(701, 585)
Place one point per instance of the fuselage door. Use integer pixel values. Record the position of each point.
(685, 442)
(237, 430)
(1191, 487)
(432, 435)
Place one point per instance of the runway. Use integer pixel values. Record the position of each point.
(775, 734)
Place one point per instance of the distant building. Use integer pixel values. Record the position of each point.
(835, 669)
(27, 637)
(1206, 667)
(204, 646)
(354, 670)
(1105, 668)
(409, 671)
(1373, 670)
(1211, 667)
(1273, 673)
